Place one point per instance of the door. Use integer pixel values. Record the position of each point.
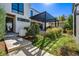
(9, 24)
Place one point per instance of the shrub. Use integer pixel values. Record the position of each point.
(69, 32)
(33, 29)
(41, 41)
(68, 24)
(2, 23)
(54, 33)
(66, 45)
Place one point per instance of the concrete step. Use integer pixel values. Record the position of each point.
(11, 35)
(16, 43)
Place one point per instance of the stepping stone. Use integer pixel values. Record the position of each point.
(25, 52)
(16, 43)
(15, 53)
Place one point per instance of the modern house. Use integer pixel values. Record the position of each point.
(44, 19)
(76, 21)
(17, 16)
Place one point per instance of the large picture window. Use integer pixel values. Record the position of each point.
(18, 8)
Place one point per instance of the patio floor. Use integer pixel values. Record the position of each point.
(17, 46)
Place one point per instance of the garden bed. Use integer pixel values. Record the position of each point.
(3, 51)
(64, 45)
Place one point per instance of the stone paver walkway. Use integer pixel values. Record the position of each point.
(20, 47)
(29, 51)
(13, 43)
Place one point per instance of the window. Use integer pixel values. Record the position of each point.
(18, 8)
(23, 20)
(31, 13)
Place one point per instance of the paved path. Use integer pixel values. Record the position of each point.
(20, 47)
(29, 51)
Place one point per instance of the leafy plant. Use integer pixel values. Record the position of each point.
(33, 29)
(62, 18)
(2, 23)
(54, 33)
(65, 45)
(69, 23)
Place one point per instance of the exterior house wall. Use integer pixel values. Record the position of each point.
(76, 22)
(18, 24)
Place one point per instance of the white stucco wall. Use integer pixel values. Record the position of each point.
(77, 28)
(77, 25)
(18, 24)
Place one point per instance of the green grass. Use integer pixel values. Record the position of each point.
(53, 46)
(2, 52)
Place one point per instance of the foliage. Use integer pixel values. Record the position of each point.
(69, 23)
(54, 33)
(2, 52)
(54, 46)
(69, 32)
(33, 29)
(2, 23)
(65, 41)
(41, 41)
(62, 18)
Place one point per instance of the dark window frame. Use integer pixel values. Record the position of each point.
(17, 9)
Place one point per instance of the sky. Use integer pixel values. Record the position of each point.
(55, 9)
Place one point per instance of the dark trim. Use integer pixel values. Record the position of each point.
(11, 21)
(41, 17)
(75, 21)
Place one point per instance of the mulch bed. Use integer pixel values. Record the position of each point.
(30, 38)
(3, 46)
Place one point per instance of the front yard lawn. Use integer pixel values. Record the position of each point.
(64, 45)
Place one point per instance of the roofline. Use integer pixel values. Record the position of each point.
(36, 10)
(38, 14)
